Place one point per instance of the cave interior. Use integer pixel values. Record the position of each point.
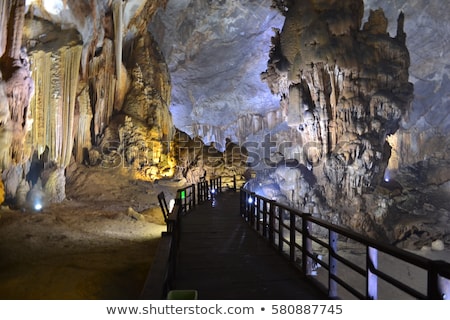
(335, 108)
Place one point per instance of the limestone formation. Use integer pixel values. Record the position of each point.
(67, 87)
(2, 192)
(140, 135)
(346, 88)
(200, 162)
(83, 83)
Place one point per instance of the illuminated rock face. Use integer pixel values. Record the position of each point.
(198, 161)
(65, 112)
(425, 129)
(140, 135)
(344, 88)
(16, 90)
(216, 51)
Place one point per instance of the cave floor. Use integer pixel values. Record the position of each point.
(96, 244)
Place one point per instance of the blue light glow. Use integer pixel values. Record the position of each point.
(387, 175)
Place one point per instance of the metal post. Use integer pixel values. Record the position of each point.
(257, 212)
(332, 262)
(272, 222)
(242, 196)
(372, 279)
(193, 195)
(251, 217)
(292, 236)
(280, 230)
(433, 290)
(306, 245)
(264, 219)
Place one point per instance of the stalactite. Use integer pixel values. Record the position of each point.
(18, 85)
(42, 63)
(103, 85)
(15, 29)
(4, 14)
(53, 104)
(83, 139)
(118, 43)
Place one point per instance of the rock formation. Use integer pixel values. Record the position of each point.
(345, 88)
(16, 90)
(63, 97)
(84, 83)
(425, 128)
(198, 161)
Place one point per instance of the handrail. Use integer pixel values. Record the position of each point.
(292, 233)
(161, 277)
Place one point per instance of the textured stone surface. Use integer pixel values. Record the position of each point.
(81, 81)
(425, 130)
(200, 55)
(216, 51)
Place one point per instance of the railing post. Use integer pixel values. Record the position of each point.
(257, 212)
(332, 262)
(272, 223)
(251, 216)
(291, 236)
(206, 190)
(204, 197)
(280, 230)
(234, 183)
(306, 245)
(220, 184)
(433, 290)
(264, 219)
(372, 279)
(243, 205)
(193, 195)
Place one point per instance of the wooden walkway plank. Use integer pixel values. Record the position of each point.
(222, 258)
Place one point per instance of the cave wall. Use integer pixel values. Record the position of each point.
(66, 68)
(346, 90)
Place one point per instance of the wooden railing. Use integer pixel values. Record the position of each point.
(303, 239)
(162, 273)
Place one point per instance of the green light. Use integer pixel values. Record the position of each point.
(183, 194)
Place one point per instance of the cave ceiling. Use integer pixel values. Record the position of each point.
(216, 50)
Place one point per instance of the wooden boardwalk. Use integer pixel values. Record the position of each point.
(222, 258)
